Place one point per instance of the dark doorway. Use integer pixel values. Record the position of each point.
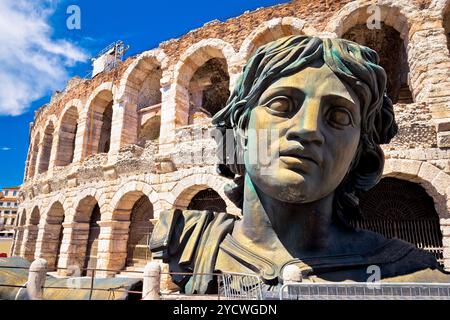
(138, 253)
(208, 199)
(92, 244)
(402, 209)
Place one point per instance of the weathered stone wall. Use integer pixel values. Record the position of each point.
(160, 169)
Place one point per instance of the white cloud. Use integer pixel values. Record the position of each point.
(5, 148)
(32, 63)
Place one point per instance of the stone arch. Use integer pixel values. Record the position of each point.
(84, 206)
(431, 178)
(150, 129)
(30, 234)
(138, 71)
(129, 229)
(34, 151)
(51, 234)
(21, 222)
(67, 132)
(390, 40)
(272, 30)
(187, 188)
(393, 13)
(140, 91)
(46, 147)
(35, 216)
(193, 59)
(133, 187)
(98, 120)
(23, 218)
(398, 208)
(84, 232)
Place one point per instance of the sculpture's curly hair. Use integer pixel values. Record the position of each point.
(356, 65)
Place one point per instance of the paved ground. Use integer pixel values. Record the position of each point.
(5, 245)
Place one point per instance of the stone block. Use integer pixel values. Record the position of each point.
(443, 139)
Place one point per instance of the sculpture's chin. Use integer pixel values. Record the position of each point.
(289, 186)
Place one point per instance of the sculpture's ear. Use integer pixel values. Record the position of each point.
(369, 168)
(370, 161)
(385, 126)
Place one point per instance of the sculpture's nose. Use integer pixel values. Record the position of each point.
(305, 125)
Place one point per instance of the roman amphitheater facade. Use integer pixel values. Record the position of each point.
(108, 154)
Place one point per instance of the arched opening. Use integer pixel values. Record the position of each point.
(47, 141)
(53, 233)
(149, 91)
(23, 219)
(33, 156)
(99, 122)
(393, 57)
(207, 199)
(145, 82)
(90, 261)
(138, 253)
(131, 239)
(19, 232)
(447, 25)
(401, 209)
(208, 90)
(86, 234)
(272, 30)
(67, 134)
(150, 130)
(31, 236)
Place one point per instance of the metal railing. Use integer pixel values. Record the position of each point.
(71, 283)
(233, 286)
(240, 286)
(365, 291)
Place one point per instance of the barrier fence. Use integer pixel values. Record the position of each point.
(230, 285)
(239, 286)
(365, 291)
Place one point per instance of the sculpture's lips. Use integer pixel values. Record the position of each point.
(301, 154)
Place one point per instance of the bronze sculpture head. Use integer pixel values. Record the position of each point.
(324, 103)
(284, 72)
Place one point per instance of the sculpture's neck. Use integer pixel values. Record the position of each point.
(300, 229)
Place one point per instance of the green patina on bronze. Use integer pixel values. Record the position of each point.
(326, 99)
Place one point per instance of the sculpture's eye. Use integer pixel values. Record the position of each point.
(340, 117)
(280, 104)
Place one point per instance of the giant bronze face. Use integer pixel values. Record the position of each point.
(317, 117)
(317, 110)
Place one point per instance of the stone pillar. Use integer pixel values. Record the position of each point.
(130, 124)
(18, 242)
(445, 229)
(79, 150)
(124, 127)
(112, 247)
(116, 128)
(73, 246)
(167, 285)
(38, 159)
(168, 118)
(36, 279)
(151, 288)
(53, 153)
(29, 242)
(430, 73)
(292, 274)
(47, 244)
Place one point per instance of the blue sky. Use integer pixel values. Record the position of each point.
(39, 53)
